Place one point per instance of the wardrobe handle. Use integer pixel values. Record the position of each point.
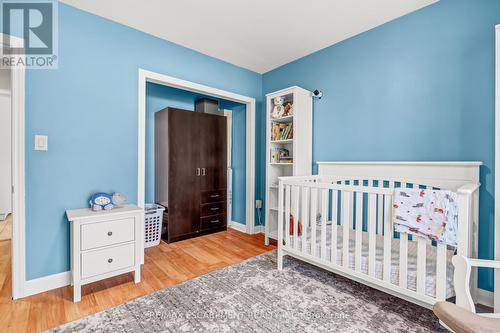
(198, 172)
(203, 171)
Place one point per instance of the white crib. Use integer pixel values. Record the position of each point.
(354, 236)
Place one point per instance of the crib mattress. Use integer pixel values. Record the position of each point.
(430, 285)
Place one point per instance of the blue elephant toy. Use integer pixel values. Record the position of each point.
(106, 201)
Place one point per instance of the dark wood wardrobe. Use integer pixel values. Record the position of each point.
(191, 171)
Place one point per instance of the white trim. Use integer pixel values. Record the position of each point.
(18, 177)
(497, 167)
(148, 76)
(287, 91)
(40, 285)
(238, 226)
(259, 229)
(419, 163)
(485, 297)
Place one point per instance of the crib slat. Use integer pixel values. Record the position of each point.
(296, 202)
(335, 201)
(324, 218)
(421, 264)
(287, 215)
(380, 214)
(314, 213)
(387, 237)
(441, 263)
(359, 231)
(346, 222)
(305, 216)
(403, 259)
(372, 240)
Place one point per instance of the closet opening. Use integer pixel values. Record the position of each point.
(221, 193)
(195, 163)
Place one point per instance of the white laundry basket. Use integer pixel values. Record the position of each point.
(153, 217)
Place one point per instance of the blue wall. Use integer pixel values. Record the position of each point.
(417, 88)
(88, 108)
(159, 97)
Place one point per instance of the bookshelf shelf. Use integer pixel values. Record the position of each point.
(286, 119)
(287, 138)
(282, 141)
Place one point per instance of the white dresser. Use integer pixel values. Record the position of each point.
(105, 244)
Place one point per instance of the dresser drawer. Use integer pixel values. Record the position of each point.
(215, 221)
(100, 234)
(213, 196)
(213, 208)
(107, 260)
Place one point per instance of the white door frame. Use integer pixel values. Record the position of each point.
(153, 77)
(17, 75)
(497, 170)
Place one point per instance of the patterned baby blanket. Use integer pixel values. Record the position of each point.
(427, 213)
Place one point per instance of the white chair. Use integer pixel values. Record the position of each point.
(461, 280)
(462, 317)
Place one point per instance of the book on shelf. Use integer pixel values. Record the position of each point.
(281, 155)
(281, 132)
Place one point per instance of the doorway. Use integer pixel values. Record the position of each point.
(16, 217)
(5, 178)
(161, 97)
(249, 104)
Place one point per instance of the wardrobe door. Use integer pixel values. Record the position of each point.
(183, 184)
(213, 152)
(213, 180)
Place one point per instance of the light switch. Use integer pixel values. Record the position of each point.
(41, 142)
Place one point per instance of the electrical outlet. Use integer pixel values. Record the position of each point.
(258, 204)
(41, 142)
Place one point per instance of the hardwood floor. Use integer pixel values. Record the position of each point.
(164, 266)
(6, 228)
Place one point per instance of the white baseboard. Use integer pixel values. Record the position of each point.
(46, 283)
(485, 297)
(258, 229)
(243, 228)
(238, 226)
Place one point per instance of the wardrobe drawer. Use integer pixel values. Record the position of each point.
(213, 196)
(100, 234)
(213, 208)
(215, 221)
(107, 260)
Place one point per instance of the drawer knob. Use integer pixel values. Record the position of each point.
(110, 260)
(110, 233)
(214, 208)
(214, 196)
(214, 221)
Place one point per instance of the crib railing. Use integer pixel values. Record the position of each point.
(361, 206)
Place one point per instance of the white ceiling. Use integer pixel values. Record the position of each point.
(256, 34)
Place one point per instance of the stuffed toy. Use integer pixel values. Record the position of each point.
(101, 200)
(288, 109)
(278, 109)
(299, 226)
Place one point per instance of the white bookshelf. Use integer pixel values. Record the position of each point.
(299, 147)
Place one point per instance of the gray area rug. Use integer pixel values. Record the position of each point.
(253, 296)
